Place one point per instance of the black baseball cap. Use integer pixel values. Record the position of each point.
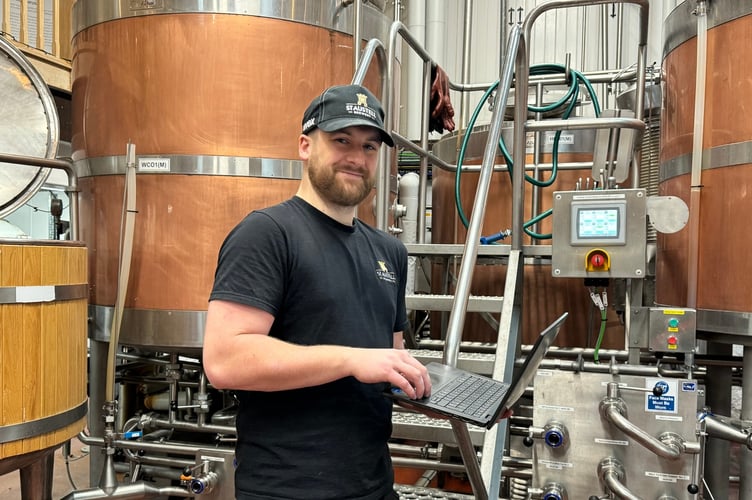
(344, 106)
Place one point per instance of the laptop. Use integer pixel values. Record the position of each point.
(475, 398)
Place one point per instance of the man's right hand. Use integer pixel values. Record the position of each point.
(394, 366)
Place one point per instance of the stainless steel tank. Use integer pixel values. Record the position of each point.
(211, 94)
(723, 296)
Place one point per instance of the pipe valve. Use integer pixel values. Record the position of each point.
(204, 483)
(555, 435)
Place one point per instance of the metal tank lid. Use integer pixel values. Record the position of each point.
(336, 15)
(681, 24)
(28, 127)
(651, 99)
(571, 141)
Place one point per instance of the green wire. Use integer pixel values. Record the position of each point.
(600, 335)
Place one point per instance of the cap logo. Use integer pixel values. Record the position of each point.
(361, 107)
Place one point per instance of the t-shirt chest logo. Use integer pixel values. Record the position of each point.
(383, 273)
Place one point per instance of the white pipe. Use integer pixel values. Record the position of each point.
(416, 24)
(436, 30)
(697, 139)
(466, 51)
(408, 197)
(161, 401)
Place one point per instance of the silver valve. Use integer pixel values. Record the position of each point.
(554, 434)
(200, 479)
(551, 491)
(554, 491)
(204, 483)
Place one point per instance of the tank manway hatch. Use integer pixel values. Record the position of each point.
(28, 127)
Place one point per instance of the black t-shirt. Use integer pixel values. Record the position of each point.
(325, 283)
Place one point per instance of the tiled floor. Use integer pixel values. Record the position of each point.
(10, 485)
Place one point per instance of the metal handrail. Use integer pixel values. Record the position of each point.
(71, 190)
(375, 47)
(462, 434)
(400, 29)
(517, 61)
(469, 257)
(512, 306)
(382, 199)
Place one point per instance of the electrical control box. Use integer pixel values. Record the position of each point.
(599, 234)
(672, 329)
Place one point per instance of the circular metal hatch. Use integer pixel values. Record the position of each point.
(28, 127)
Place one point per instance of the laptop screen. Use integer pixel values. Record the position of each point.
(526, 375)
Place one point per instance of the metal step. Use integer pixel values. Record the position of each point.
(454, 249)
(465, 345)
(475, 362)
(431, 302)
(457, 249)
(407, 492)
(417, 426)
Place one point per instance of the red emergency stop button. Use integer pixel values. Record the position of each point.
(597, 260)
(672, 340)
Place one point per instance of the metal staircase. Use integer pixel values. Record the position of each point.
(484, 474)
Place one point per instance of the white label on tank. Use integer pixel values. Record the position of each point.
(611, 442)
(153, 164)
(550, 464)
(671, 418)
(30, 294)
(529, 142)
(667, 478)
(563, 138)
(555, 408)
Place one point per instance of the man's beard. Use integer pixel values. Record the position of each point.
(338, 191)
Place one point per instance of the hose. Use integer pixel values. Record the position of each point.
(463, 147)
(570, 97)
(535, 220)
(574, 91)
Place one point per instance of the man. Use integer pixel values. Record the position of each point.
(305, 321)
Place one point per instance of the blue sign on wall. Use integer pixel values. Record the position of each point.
(666, 402)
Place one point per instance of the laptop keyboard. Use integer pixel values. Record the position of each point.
(470, 395)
